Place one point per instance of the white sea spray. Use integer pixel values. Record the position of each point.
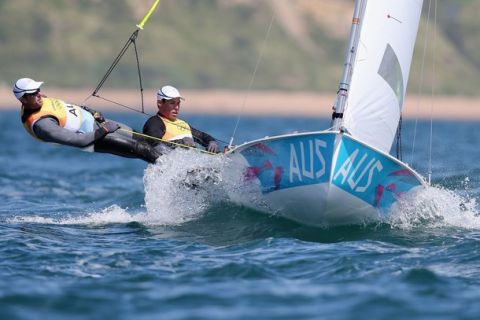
(436, 206)
(182, 185)
(111, 214)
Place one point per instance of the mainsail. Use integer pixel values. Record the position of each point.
(381, 69)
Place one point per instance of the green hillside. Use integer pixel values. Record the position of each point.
(215, 43)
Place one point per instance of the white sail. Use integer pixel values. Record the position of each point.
(381, 68)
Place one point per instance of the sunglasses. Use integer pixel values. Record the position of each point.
(32, 94)
(172, 101)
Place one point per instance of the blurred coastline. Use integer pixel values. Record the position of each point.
(256, 103)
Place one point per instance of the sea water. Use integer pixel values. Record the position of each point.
(93, 236)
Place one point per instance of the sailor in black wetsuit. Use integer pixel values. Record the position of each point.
(53, 120)
(166, 126)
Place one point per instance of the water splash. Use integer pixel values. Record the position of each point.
(436, 207)
(112, 214)
(182, 185)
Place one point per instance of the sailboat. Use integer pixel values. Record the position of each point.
(344, 174)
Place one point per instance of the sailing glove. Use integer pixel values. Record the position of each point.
(212, 147)
(96, 115)
(104, 129)
(109, 127)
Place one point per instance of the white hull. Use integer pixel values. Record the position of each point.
(318, 178)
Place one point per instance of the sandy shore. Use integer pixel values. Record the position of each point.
(255, 103)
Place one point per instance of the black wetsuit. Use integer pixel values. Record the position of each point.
(119, 142)
(155, 127)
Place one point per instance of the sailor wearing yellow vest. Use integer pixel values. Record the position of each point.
(166, 126)
(53, 120)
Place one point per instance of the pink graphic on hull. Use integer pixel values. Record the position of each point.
(253, 172)
(391, 187)
(265, 149)
(277, 177)
(403, 172)
(380, 192)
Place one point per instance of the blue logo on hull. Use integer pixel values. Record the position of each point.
(290, 162)
(371, 176)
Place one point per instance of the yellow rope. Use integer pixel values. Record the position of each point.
(170, 142)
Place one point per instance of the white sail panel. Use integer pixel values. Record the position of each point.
(381, 68)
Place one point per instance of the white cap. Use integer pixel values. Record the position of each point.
(25, 85)
(168, 92)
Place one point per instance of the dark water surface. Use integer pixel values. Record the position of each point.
(91, 236)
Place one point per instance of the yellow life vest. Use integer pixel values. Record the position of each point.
(176, 130)
(69, 116)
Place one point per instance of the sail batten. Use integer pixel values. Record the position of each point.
(381, 69)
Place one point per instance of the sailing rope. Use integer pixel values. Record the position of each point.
(240, 114)
(168, 142)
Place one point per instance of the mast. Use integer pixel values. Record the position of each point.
(350, 54)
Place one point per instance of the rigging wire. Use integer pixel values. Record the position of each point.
(421, 82)
(131, 40)
(240, 114)
(123, 105)
(432, 92)
(139, 75)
